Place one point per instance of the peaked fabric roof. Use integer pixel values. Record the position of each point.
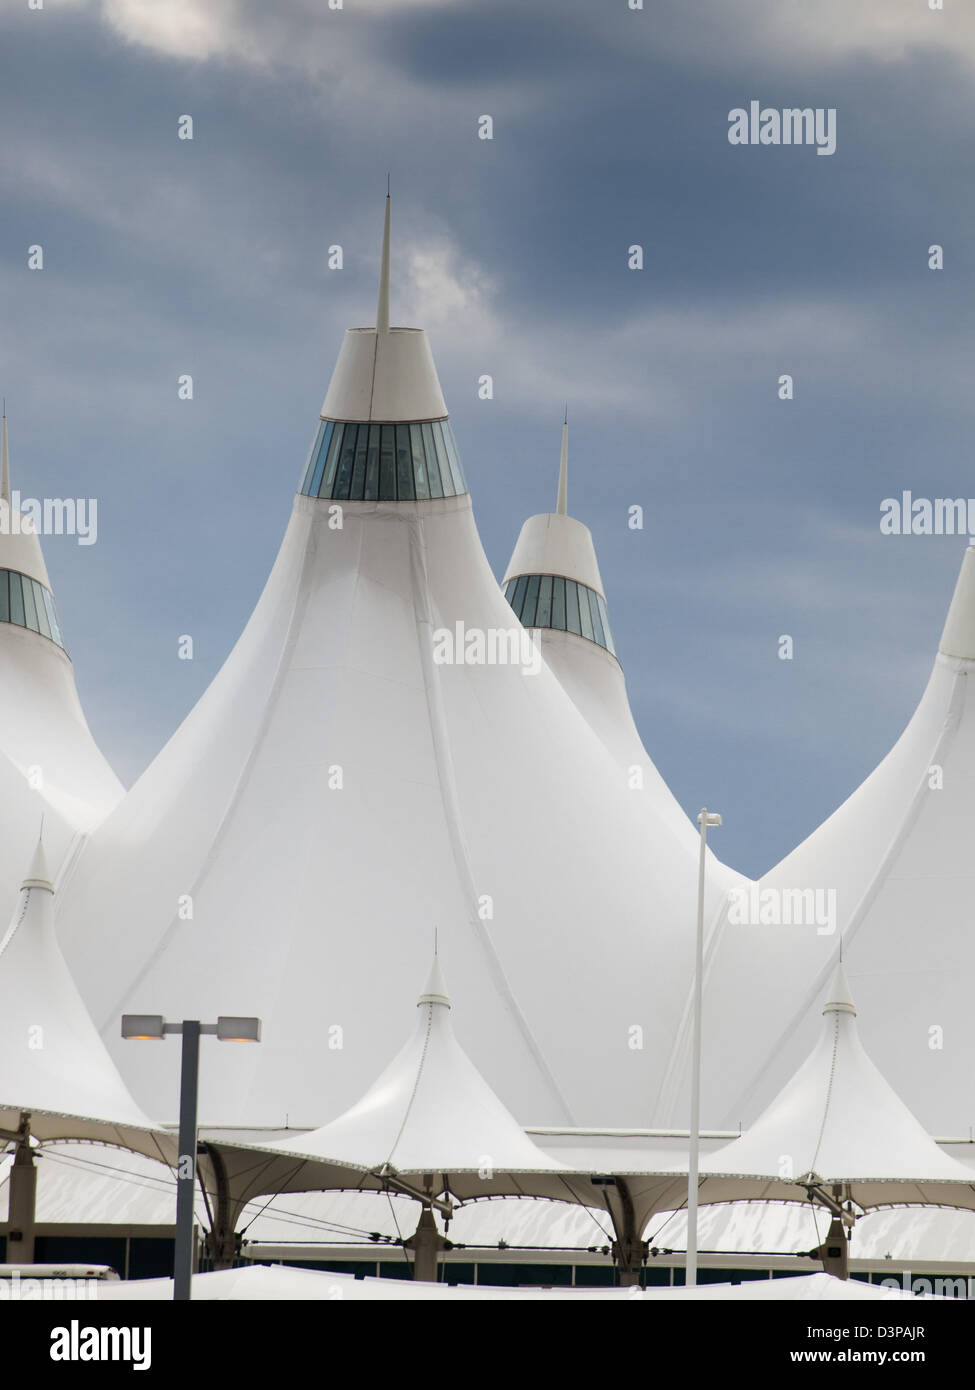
(49, 763)
(430, 1110)
(51, 1057)
(839, 1121)
(555, 544)
(356, 772)
(895, 860)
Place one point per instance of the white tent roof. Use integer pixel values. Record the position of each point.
(897, 855)
(334, 795)
(430, 1110)
(53, 1064)
(839, 1121)
(554, 543)
(49, 763)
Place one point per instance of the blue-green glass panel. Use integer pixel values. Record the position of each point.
(16, 600)
(597, 622)
(419, 461)
(312, 458)
(572, 607)
(43, 626)
(343, 474)
(558, 602)
(372, 465)
(585, 613)
(606, 630)
(453, 457)
(518, 598)
(357, 486)
(543, 617)
(405, 467)
(405, 490)
(531, 601)
(30, 607)
(52, 618)
(437, 486)
(323, 443)
(331, 461)
(449, 490)
(4, 597)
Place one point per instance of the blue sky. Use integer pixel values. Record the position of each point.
(761, 516)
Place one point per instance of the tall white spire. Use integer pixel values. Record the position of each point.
(382, 308)
(561, 505)
(384, 373)
(4, 458)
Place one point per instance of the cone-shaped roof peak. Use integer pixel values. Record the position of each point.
(430, 1110)
(839, 1000)
(38, 875)
(384, 374)
(958, 637)
(436, 988)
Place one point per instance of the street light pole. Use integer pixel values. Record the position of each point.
(704, 819)
(186, 1165)
(227, 1028)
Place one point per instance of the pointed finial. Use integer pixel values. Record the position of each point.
(436, 989)
(38, 875)
(436, 932)
(562, 503)
(839, 1000)
(382, 308)
(4, 458)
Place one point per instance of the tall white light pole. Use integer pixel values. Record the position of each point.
(705, 818)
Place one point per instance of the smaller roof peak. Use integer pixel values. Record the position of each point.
(38, 875)
(436, 988)
(382, 307)
(561, 506)
(839, 1000)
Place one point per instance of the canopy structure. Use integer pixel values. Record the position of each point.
(49, 763)
(385, 751)
(896, 859)
(554, 585)
(429, 1127)
(838, 1130)
(53, 1065)
(56, 1079)
(429, 1112)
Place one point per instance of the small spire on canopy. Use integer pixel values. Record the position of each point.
(436, 989)
(839, 999)
(382, 308)
(5, 460)
(38, 875)
(562, 504)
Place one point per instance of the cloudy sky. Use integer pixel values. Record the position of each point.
(209, 257)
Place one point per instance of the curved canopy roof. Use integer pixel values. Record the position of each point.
(53, 1065)
(430, 1110)
(895, 863)
(356, 773)
(49, 763)
(838, 1121)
